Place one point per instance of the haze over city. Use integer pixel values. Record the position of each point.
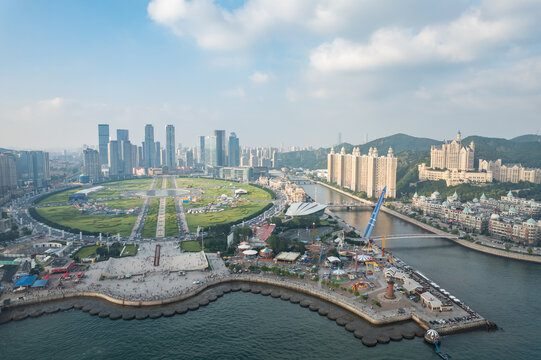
(292, 73)
(270, 179)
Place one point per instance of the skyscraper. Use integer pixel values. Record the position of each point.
(8, 172)
(91, 164)
(103, 138)
(140, 158)
(210, 151)
(233, 151)
(157, 153)
(127, 163)
(220, 147)
(122, 135)
(202, 150)
(114, 159)
(149, 148)
(170, 146)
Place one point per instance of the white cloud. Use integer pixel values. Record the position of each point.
(215, 28)
(319, 94)
(54, 103)
(234, 93)
(462, 40)
(494, 87)
(259, 77)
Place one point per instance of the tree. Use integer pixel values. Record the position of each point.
(507, 247)
(278, 243)
(530, 251)
(332, 252)
(241, 233)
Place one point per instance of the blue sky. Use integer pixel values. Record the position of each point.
(292, 72)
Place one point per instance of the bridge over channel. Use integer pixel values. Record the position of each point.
(414, 236)
(349, 206)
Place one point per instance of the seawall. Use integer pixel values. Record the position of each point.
(254, 280)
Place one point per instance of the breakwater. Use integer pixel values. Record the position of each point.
(337, 308)
(106, 307)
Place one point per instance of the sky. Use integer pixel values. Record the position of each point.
(275, 72)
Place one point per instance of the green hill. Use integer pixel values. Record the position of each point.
(412, 150)
(527, 153)
(527, 138)
(317, 159)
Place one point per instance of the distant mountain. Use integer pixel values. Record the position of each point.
(317, 159)
(412, 150)
(527, 138)
(399, 143)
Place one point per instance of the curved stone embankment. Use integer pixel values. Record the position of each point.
(476, 247)
(102, 306)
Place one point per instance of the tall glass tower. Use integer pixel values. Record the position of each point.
(202, 150)
(103, 138)
(233, 150)
(149, 148)
(171, 161)
(220, 147)
(211, 151)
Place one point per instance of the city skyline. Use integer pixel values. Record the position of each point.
(471, 65)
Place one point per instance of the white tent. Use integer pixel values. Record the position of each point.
(364, 258)
(333, 259)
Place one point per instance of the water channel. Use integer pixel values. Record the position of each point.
(247, 326)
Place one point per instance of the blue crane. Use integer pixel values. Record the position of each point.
(374, 216)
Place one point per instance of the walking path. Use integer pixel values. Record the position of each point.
(160, 226)
(140, 222)
(181, 217)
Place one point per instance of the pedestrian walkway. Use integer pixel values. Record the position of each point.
(181, 218)
(160, 226)
(140, 222)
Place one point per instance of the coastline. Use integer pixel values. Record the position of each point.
(235, 283)
(465, 243)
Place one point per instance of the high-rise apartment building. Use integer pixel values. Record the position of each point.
(171, 161)
(103, 138)
(32, 167)
(8, 172)
(233, 150)
(363, 173)
(92, 164)
(220, 147)
(149, 148)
